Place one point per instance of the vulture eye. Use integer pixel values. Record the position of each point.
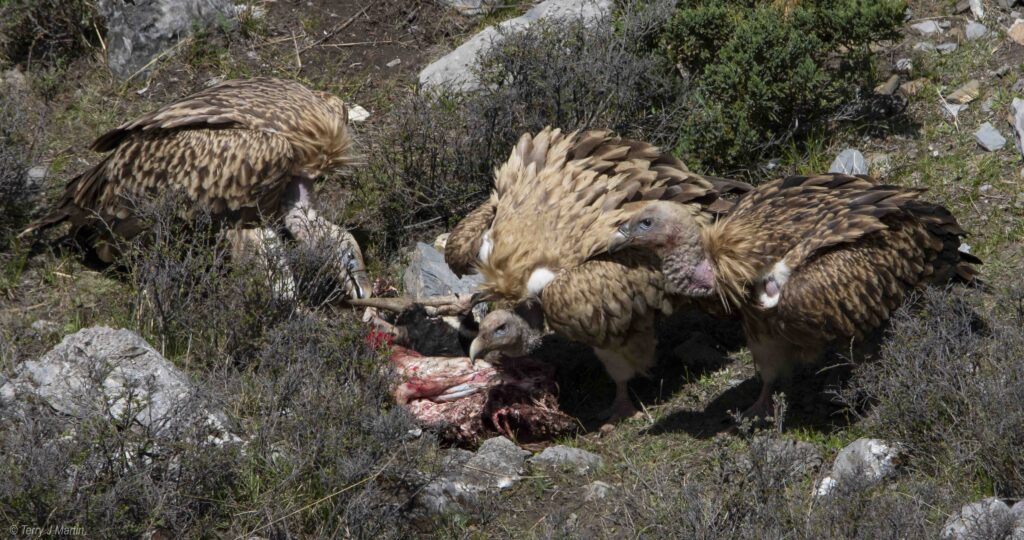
(646, 223)
(501, 331)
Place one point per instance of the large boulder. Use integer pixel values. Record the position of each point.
(102, 372)
(140, 30)
(428, 275)
(454, 70)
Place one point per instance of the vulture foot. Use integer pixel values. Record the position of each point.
(621, 409)
(763, 408)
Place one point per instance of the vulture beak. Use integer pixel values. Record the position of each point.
(477, 350)
(620, 239)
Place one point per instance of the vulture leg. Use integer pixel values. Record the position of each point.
(773, 358)
(621, 371)
(306, 225)
(263, 247)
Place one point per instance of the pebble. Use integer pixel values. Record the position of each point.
(927, 27)
(849, 161)
(946, 48)
(989, 138)
(965, 93)
(953, 110)
(975, 30)
(1016, 32)
(357, 113)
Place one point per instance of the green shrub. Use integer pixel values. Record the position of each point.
(762, 77)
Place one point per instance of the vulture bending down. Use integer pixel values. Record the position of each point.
(805, 261)
(540, 242)
(246, 150)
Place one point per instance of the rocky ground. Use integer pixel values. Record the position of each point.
(277, 422)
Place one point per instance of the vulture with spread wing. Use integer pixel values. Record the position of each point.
(540, 243)
(805, 261)
(247, 151)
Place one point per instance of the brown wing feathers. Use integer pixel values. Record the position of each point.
(232, 146)
(854, 248)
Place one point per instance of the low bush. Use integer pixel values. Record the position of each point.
(950, 389)
(325, 451)
(16, 155)
(47, 31)
(764, 73)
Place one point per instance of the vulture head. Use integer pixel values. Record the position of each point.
(514, 333)
(673, 232)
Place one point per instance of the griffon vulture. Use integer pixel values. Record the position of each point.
(540, 242)
(805, 261)
(246, 150)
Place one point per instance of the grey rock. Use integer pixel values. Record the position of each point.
(1001, 71)
(1017, 511)
(988, 518)
(1018, 86)
(564, 457)
(989, 138)
(102, 372)
(953, 110)
(44, 326)
(926, 27)
(498, 464)
(1017, 121)
(393, 63)
(140, 30)
(946, 48)
(454, 70)
(428, 275)
(924, 46)
(905, 65)
(473, 7)
(975, 30)
(862, 463)
(986, 106)
(357, 114)
(597, 490)
(977, 9)
(849, 161)
(36, 176)
(14, 79)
